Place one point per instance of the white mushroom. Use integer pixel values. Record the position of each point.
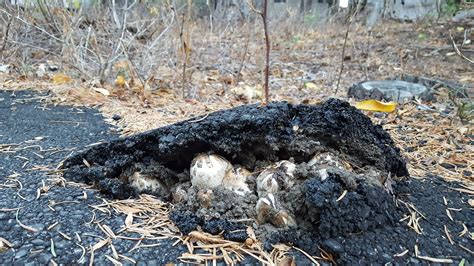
(264, 207)
(267, 211)
(208, 171)
(267, 182)
(283, 219)
(325, 160)
(143, 182)
(236, 181)
(287, 167)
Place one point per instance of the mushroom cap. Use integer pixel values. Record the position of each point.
(208, 171)
(143, 182)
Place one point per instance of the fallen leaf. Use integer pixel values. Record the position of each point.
(248, 93)
(41, 71)
(60, 79)
(377, 106)
(102, 91)
(311, 86)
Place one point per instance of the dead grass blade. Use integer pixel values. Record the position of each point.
(308, 256)
(448, 235)
(26, 227)
(101, 244)
(4, 244)
(435, 260)
(114, 261)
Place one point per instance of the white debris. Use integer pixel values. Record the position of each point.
(323, 173)
(287, 167)
(41, 71)
(4, 69)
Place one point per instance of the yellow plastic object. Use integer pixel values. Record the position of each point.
(120, 81)
(377, 106)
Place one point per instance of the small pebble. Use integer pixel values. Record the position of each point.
(333, 246)
(44, 258)
(37, 242)
(21, 253)
(61, 244)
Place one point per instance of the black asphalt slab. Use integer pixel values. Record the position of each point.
(35, 136)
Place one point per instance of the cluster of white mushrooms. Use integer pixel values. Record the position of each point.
(209, 171)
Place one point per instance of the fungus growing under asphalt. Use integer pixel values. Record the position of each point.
(293, 173)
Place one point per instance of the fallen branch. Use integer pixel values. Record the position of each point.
(456, 49)
(5, 38)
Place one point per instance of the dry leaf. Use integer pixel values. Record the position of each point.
(377, 106)
(248, 93)
(102, 91)
(60, 79)
(311, 86)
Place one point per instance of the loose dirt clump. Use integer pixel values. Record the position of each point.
(291, 173)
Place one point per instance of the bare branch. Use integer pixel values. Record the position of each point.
(5, 38)
(456, 49)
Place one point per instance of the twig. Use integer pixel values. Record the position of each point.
(267, 45)
(351, 19)
(239, 73)
(183, 49)
(456, 49)
(263, 14)
(36, 27)
(133, 66)
(5, 38)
